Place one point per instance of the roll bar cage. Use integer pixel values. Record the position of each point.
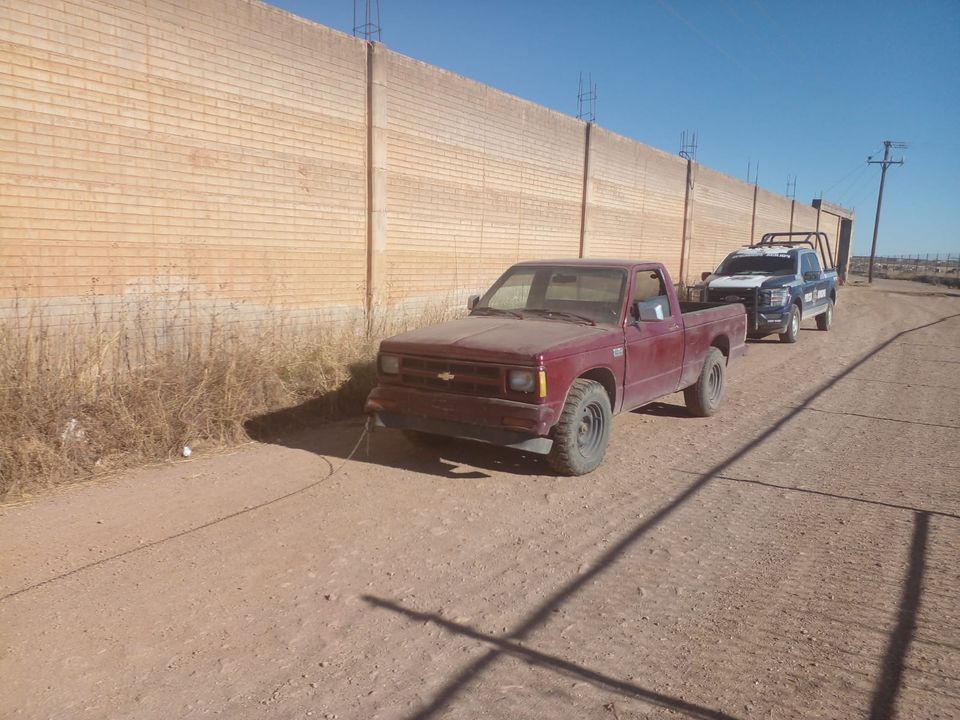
(801, 237)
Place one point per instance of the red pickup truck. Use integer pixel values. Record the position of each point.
(550, 353)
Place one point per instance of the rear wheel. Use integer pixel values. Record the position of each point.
(825, 319)
(793, 326)
(703, 397)
(581, 436)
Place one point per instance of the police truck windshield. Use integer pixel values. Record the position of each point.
(758, 265)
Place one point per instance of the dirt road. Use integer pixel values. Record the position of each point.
(795, 556)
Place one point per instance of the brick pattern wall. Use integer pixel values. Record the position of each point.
(722, 214)
(772, 214)
(222, 153)
(477, 180)
(804, 218)
(637, 201)
(153, 148)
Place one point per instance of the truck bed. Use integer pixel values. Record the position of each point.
(690, 307)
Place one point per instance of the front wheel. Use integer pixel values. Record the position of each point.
(825, 319)
(793, 326)
(580, 437)
(703, 397)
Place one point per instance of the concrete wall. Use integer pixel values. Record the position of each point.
(228, 154)
(153, 148)
(804, 217)
(636, 201)
(772, 214)
(722, 218)
(476, 180)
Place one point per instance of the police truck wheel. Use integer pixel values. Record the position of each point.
(793, 326)
(704, 396)
(580, 437)
(825, 319)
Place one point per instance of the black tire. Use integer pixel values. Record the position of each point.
(793, 326)
(825, 319)
(427, 440)
(704, 396)
(581, 436)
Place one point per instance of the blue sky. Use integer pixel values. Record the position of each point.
(805, 89)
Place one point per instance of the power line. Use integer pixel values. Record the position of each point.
(706, 38)
(775, 52)
(855, 185)
(856, 191)
(858, 166)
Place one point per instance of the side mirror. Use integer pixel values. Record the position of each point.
(647, 311)
(472, 301)
(705, 274)
(811, 275)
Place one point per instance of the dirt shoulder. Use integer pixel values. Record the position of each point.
(794, 556)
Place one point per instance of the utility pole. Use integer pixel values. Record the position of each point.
(884, 164)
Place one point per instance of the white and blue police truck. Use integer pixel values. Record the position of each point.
(783, 280)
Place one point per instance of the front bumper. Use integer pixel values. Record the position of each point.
(509, 423)
(772, 320)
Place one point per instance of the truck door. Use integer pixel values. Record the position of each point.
(815, 289)
(654, 348)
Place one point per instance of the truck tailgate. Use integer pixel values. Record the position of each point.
(708, 324)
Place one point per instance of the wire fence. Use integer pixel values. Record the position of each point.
(933, 268)
(932, 263)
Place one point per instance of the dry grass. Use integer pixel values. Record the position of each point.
(79, 400)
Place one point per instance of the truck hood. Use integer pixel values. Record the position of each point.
(737, 281)
(741, 282)
(496, 339)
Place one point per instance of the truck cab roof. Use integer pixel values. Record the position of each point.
(593, 262)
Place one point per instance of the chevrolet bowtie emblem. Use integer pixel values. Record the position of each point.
(446, 376)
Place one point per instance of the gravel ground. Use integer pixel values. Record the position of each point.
(795, 556)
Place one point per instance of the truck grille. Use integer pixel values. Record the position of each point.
(451, 376)
(747, 296)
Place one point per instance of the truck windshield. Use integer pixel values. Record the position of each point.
(557, 292)
(757, 265)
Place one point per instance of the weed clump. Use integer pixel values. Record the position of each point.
(80, 398)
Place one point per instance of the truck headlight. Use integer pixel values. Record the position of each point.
(389, 364)
(522, 380)
(775, 298)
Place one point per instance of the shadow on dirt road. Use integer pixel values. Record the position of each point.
(888, 681)
(298, 428)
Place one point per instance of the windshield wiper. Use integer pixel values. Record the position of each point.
(559, 314)
(495, 311)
